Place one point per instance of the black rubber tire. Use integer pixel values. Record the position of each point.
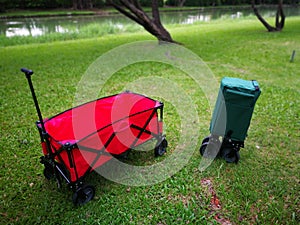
(161, 149)
(230, 155)
(203, 147)
(204, 144)
(83, 195)
(237, 157)
(210, 149)
(214, 147)
(206, 139)
(48, 172)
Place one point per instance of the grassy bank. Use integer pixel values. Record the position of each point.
(262, 189)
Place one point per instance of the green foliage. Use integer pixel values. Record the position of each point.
(147, 3)
(99, 3)
(171, 2)
(2, 6)
(215, 2)
(222, 2)
(62, 3)
(32, 4)
(193, 2)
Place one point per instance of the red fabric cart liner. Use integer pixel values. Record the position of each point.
(112, 124)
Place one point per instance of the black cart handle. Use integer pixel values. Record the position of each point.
(255, 84)
(27, 72)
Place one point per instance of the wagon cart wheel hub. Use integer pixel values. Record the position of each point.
(83, 195)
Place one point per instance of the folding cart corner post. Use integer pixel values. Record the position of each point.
(162, 143)
(48, 159)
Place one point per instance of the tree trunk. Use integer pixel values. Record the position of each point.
(279, 21)
(133, 10)
(181, 3)
(280, 17)
(75, 6)
(89, 4)
(162, 33)
(80, 4)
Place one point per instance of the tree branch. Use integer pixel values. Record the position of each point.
(280, 15)
(260, 18)
(155, 12)
(130, 15)
(137, 4)
(140, 15)
(133, 10)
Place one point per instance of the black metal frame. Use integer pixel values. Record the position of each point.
(220, 148)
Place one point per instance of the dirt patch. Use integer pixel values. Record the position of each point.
(215, 205)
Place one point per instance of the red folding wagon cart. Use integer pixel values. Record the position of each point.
(81, 139)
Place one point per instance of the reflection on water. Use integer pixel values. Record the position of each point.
(32, 30)
(40, 26)
(192, 19)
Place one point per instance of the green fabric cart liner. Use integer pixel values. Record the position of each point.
(234, 108)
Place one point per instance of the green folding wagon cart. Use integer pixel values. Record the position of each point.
(231, 119)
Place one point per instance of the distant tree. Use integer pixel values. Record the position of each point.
(179, 3)
(82, 4)
(279, 21)
(3, 5)
(75, 4)
(133, 10)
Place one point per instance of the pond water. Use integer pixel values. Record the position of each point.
(45, 25)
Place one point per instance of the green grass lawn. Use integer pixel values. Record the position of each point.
(263, 188)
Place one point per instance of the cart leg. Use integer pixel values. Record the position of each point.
(48, 168)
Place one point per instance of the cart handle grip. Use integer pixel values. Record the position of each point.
(27, 72)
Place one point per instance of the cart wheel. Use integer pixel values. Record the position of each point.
(161, 148)
(209, 148)
(204, 145)
(206, 139)
(230, 155)
(203, 148)
(237, 157)
(83, 195)
(48, 172)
